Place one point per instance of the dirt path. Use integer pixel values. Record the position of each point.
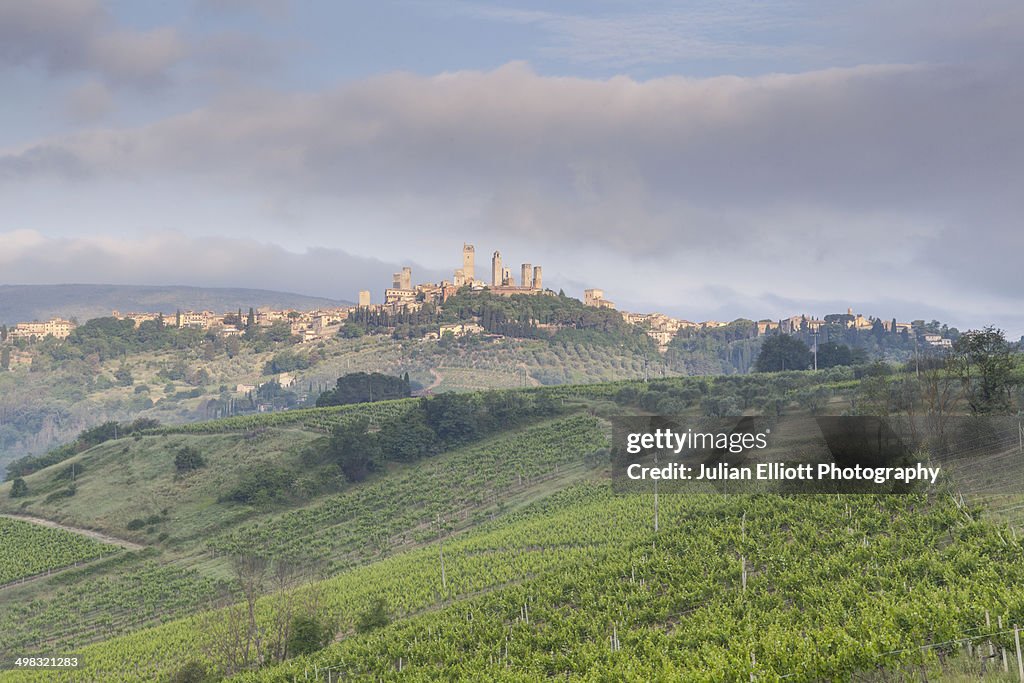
(75, 530)
(438, 378)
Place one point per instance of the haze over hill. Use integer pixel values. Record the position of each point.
(39, 302)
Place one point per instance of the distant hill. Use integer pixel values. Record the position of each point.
(38, 302)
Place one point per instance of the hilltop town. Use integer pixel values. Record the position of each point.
(403, 297)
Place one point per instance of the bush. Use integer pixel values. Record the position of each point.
(260, 485)
(63, 493)
(308, 634)
(375, 617)
(192, 672)
(188, 459)
(361, 387)
(19, 489)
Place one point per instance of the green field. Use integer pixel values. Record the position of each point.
(546, 573)
(582, 583)
(28, 550)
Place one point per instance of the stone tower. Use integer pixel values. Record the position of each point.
(497, 274)
(406, 279)
(468, 262)
(537, 282)
(364, 298)
(526, 281)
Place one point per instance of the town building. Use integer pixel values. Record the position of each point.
(58, 328)
(595, 298)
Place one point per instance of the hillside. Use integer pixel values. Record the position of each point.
(54, 401)
(20, 303)
(497, 553)
(187, 522)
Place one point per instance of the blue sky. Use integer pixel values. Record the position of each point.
(708, 159)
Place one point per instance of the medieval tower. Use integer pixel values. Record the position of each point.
(497, 273)
(468, 265)
(526, 281)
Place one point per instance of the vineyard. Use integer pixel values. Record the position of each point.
(28, 549)
(400, 509)
(313, 419)
(508, 557)
(727, 587)
(85, 609)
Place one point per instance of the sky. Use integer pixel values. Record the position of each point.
(710, 160)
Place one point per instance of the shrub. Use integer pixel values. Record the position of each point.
(260, 485)
(308, 634)
(375, 617)
(62, 493)
(192, 672)
(19, 489)
(188, 459)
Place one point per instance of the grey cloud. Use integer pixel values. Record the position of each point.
(883, 134)
(90, 102)
(68, 36)
(938, 140)
(855, 172)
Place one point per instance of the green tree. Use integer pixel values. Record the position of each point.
(982, 360)
(362, 387)
(782, 352)
(407, 438)
(5, 359)
(19, 489)
(354, 449)
(832, 354)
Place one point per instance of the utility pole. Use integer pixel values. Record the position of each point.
(917, 357)
(655, 497)
(815, 348)
(444, 578)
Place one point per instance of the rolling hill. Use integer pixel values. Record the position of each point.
(19, 303)
(500, 553)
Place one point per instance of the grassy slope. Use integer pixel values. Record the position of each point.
(491, 563)
(134, 478)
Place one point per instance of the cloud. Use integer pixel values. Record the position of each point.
(890, 181)
(90, 102)
(630, 36)
(170, 258)
(571, 157)
(70, 36)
